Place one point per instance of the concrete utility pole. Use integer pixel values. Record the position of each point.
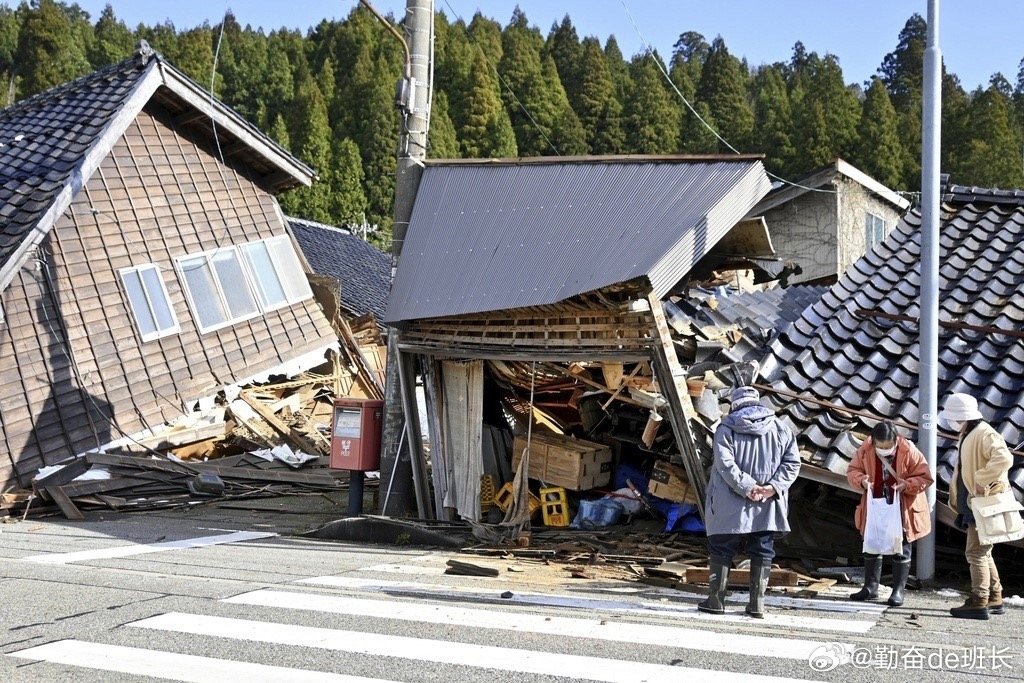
(931, 122)
(413, 97)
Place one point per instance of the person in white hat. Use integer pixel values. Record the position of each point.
(981, 471)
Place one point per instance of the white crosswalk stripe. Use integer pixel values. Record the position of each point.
(442, 651)
(682, 610)
(397, 608)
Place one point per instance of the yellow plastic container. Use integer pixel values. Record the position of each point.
(503, 498)
(554, 506)
(486, 492)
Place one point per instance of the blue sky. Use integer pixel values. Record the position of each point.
(977, 38)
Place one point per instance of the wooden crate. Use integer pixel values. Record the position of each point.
(573, 464)
(669, 482)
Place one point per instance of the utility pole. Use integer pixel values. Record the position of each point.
(931, 121)
(413, 97)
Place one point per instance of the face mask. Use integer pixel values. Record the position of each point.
(886, 452)
(954, 425)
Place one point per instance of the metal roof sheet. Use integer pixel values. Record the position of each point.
(494, 235)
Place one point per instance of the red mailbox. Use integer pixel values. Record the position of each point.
(355, 436)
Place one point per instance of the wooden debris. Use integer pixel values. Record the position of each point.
(741, 577)
(460, 568)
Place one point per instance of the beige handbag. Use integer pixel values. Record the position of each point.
(998, 518)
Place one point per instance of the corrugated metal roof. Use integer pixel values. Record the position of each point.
(487, 236)
(872, 364)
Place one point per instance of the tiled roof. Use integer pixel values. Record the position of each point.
(43, 138)
(363, 271)
(761, 316)
(871, 364)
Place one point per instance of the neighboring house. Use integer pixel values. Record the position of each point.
(139, 274)
(363, 271)
(859, 346)
(827, 220)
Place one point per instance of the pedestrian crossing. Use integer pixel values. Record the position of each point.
(320, 614)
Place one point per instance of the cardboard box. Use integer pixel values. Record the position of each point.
(669, 482)
(574, 464)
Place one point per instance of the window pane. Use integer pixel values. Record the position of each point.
(241, 303)
(268, 286)
(157, 299)
(137, 299)
(296, 286)
(203, 291)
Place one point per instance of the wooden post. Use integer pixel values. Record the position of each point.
(672, 382)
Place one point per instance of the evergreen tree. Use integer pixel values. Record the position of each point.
(697, 137)
(277, 86)
(598, 109)
(193, 54)
(532, 108)
(10, 26)
(114, 40)
(375, 130)
(688, 56)
(773, 123)
(839, 104)
(568, 135)
(956, 125)
(878, 152)
(652, 119)
(48, 52)
(279, 132)
(484, 128)
(902, 70)
(618, 68)
(442, 142)
(347, 200)
(486, 34)
(311, 137)
(992, 157)
(563, 45)
(723, 86)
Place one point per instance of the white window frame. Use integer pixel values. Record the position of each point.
(871, 237)
(208, 255)
(278, 272)
(175, 328)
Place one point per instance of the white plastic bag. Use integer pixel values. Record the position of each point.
(883, 529)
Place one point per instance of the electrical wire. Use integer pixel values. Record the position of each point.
(661, 67)
(508, 87)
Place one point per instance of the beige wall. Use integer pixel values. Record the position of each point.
(804, 230)
(855, 203)
(157, 196)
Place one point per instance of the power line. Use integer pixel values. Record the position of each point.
(509, 88)
(661, 68)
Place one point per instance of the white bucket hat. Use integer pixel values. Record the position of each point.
(960, 408)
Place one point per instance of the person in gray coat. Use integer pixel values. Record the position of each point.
(755, 463)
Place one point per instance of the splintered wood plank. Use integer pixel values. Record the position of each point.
(741, 577)
(64, 502)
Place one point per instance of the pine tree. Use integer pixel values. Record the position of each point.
(568, 135)
(773, 123)
(697, 137)
(277, 86)
(688, 56)
(723, 86)
(48, 52)
(533, 109)
(114, 40)
(598, 109)
(992, 157)
(878, 152)
(484, 128)
(486, 34)
(193, 54)
(956, 126)
(563, 45)
(311, 136)
(279, 132)
(618, 68)
(347, 200)
(902, 69)
(652, 120)
(375, 130)
(442, 142)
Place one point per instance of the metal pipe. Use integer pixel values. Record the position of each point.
(931, 121)
(394, 31)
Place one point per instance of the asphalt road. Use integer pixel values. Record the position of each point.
(137, 597)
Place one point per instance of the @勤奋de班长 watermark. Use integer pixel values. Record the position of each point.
(829, 656)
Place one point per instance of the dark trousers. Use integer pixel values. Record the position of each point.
(902, 557)
(760, 544)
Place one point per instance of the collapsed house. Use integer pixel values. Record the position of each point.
(145, 267)
(824, 221)
(852, 359)
(564, 332)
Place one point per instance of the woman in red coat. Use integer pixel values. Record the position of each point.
(910, 478)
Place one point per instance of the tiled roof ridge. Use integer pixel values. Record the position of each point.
(136, 62)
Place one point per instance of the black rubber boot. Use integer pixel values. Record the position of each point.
(872, 575)
(760, 572)
(900, 572)
(975, 607)
(718, 583)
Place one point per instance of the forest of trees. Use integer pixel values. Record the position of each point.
(328, 96)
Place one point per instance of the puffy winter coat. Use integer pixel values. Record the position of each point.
(751, 448)
(911, 467)
(985, 461)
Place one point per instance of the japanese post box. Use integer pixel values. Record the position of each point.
(355, 435)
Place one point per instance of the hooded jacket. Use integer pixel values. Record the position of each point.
(911, 467)
(752, 447)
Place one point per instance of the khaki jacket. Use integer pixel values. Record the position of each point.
(985, 461)
(911, 467)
